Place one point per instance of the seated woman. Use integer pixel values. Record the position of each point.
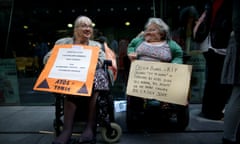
(83, 31)
(154, 44)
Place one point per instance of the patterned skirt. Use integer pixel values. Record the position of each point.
(101, 81)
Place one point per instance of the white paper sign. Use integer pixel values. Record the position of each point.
(71, 64)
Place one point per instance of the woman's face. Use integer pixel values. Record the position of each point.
(83, 31)
(152, 33)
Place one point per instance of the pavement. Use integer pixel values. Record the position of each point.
(34, 125)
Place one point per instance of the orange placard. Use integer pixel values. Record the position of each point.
(70, 70)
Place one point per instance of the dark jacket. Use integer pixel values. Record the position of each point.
(221, 25)
(231, 69)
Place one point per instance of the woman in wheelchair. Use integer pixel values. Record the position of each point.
(153, 44)
(83, 31)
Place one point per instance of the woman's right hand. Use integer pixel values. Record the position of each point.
(132, 56)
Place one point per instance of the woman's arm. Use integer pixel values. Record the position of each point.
(134, 44)
(177, 52)
(132, 47)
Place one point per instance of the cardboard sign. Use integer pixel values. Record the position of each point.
(70, 70)
(165, 82)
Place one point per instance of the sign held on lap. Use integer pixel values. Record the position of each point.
(161, 81)
(69, 70)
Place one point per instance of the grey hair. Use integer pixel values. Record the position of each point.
(163, 27)
(82, 19)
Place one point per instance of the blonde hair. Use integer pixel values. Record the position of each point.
(163, 27)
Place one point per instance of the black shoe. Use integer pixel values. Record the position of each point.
(226, 141)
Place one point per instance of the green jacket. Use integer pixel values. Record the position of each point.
(177, 53)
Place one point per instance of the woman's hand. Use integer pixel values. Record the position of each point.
(132, 56)
(198, 22)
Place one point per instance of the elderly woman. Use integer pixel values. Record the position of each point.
(154, 44)
(83, 31)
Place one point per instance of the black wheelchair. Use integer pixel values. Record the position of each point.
(109, 129)
(153, 115)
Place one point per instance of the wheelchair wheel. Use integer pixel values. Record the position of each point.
(111, 137)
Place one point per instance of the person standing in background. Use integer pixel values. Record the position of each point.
(39, 52)
(183, 34)
(216, 95)
(231, 75)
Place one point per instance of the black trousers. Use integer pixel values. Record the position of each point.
(216, 94)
